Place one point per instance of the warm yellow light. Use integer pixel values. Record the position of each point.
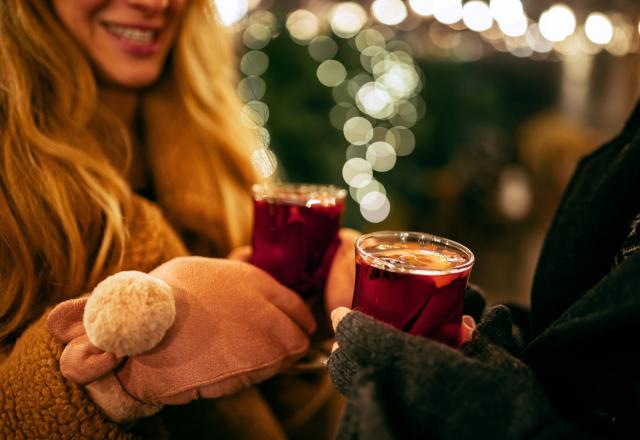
(231, 11)
(331, 73)
(423, 7)
(557, 22)
(448, 11)
(389, 12)
(476, 15)
(303, 26)
(598, 28)
(347, 19)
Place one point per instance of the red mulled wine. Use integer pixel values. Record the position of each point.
(413, 281)
(295, 233)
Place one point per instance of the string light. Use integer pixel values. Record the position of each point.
(377, 104)
(425, 8)
(231, 12)
(598, 28)
(347, 19)
(448, 11)
(252, 88)
(557, 22)
(476, 15)
(389, 12)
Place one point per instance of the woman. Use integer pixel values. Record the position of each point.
(576, 378)
(121, 149)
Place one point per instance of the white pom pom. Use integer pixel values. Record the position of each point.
(128, 313)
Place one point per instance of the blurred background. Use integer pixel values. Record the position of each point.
(460, 119)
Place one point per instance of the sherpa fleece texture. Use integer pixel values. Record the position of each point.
(36, 401)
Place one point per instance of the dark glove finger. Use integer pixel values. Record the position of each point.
(342, 370)
(474, 302)
(497, 327)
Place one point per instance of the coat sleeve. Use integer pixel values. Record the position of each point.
(36, 401)
(402, 386)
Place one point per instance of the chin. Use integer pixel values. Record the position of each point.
(137, 79)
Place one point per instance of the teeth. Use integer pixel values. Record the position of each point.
(136, 35)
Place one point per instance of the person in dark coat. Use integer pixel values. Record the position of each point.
(578, 377)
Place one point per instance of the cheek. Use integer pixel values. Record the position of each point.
(77, 17)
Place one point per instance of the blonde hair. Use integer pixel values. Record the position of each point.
(63, 198)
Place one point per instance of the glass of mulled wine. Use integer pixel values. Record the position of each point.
(295, 233)
(413, 281)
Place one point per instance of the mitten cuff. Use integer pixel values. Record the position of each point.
(108, 393)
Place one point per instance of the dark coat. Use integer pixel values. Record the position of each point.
(578, 378)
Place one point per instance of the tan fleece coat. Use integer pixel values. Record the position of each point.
(36, 401)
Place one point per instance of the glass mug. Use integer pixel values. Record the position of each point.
(413, 281)
(295, 233)
(295, 237)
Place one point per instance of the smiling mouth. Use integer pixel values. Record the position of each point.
(132, 34)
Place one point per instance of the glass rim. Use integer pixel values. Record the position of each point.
(303, 194)
(421, 237)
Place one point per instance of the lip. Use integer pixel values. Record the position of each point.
(135, 48)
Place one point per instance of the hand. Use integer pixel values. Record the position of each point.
(465, 333)
(234, 326)
(242, 253)
(342, 274)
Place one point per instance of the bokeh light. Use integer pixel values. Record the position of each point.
(598, 28)
(448, 11)
(506, 11)
(375, 100)
(231, 11)
(401, 139)
(389, 12)
(537, 41)
(303, 26)
(358, 130)
(358, 193)
(375, 206)
(623, 35)
(347, 19)
(254, 63)
(400, 79)
(254, 114)
(264, 161)
(557, 23)
(406, 114)
(322, 48)
(516, 27)
(370, 39)
(470, 48)
(476, 15)
(251, 88)
(357, 172)
(256, 36)
(331, 73)
(423, 7)
(381, 156)
(263, 136)
(515, 197)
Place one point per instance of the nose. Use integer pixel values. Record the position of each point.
(149, 5)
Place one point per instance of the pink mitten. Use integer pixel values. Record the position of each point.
(194, 327)
(338, 291)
